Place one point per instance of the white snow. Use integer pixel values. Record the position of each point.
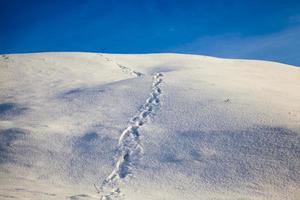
(148, 127)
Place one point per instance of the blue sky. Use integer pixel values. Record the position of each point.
(252, 29)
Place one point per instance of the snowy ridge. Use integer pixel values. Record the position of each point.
(129, 147)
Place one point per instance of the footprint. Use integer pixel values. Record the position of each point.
(126, 157)
(144, 114)
(158, 90)
(134, 131)
(150, 100)
(148, 108)
(158, 75)
(139, 123)
(154, 95)
(157, 82)
(134, 119)
(138, 73)
(156, 101)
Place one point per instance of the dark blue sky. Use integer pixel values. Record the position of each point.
(253, 29)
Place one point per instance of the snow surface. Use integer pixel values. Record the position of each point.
(148, 127)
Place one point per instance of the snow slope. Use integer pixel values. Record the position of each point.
(151, 127)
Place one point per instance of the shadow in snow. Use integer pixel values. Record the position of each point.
(10, 110)
(168, 157)
(8, 137)
(88, 152)
(86, 143)
(226, 157)
(8, 196)
(161, 69)
(80, 93)
(35, 192)
(79, 196)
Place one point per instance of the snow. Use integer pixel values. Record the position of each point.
(152, 127)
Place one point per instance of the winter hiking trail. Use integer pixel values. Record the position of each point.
(129, 148)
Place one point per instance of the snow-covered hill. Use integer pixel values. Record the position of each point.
(148, 127)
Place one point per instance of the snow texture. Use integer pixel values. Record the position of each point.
(85, 126)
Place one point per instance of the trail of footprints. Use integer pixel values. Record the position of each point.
(123, 68)
(129, 71)
(129, 147)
